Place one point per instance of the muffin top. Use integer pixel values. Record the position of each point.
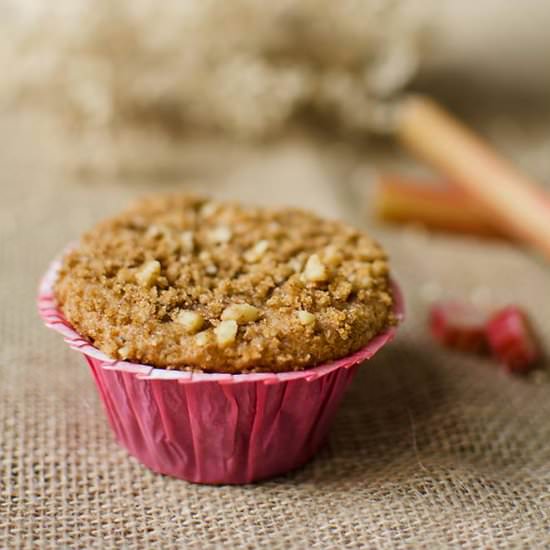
(183, 282)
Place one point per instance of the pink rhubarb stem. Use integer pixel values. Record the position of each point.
(466, 159)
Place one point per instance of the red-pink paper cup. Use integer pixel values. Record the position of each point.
(215, 428)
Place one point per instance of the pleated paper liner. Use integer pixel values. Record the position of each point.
(215, 428)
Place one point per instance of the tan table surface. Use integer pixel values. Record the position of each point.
(431, 449)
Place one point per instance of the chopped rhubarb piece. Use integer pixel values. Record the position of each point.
(459, 325)
(511, 339)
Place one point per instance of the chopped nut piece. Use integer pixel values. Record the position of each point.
(332, 255)
(306, 318)
(209, 208)
(364, 282)
(204, 256)
(187, 241)
(149, 273)
(385, 298)
(274, 227)
(211, 269)
(123, 352)
(342, 290)
(315, 271)
(255, 253)
(296, 264)
(242, 313)
(226, 332)
(202, 338)
(220, 235)
(190, 320)
(153, 231)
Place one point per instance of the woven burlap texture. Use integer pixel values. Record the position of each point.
(431, 449)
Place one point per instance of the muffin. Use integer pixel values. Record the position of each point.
(211, 318)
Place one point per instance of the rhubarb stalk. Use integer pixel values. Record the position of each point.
(441, 206)
(437, 137)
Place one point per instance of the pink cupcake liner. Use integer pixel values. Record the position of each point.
(215, 428)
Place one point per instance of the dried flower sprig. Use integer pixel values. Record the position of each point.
(246, 67)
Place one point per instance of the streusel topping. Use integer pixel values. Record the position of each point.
(183, 282)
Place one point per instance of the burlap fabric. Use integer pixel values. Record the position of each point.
(431, 449)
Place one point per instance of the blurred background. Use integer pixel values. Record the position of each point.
(138, 89)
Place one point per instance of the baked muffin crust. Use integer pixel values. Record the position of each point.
(183, 282)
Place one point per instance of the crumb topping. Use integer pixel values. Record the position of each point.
(183, 282)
